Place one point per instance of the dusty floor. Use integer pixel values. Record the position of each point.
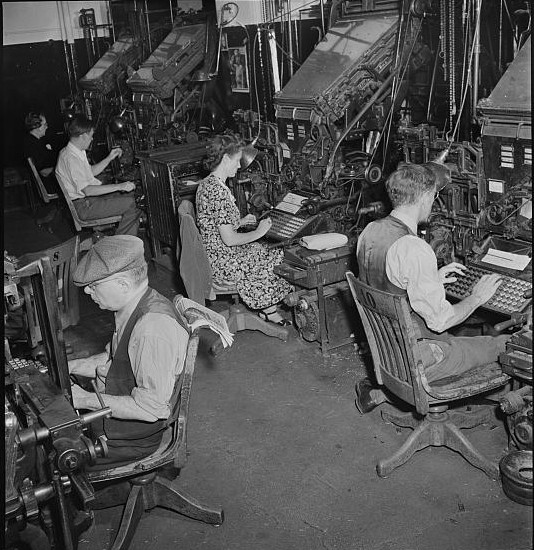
(274, 438)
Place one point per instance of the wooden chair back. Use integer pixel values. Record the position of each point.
(80, 224)
(38, 182)
(392, 340)
(63, 261)
(172, 450)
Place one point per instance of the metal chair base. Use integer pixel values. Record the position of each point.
(440, 428)
(143, 493)
(239, 318)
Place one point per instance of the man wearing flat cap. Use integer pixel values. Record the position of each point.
(146, 355)
(391, 257)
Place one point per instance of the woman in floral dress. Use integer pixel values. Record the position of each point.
(235, 256)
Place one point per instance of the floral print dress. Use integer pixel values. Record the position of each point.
(250, 266)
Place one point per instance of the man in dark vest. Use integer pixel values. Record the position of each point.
(146, 355)
(391, 257)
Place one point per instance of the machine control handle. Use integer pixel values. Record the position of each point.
(516, 319)
(89, 417)
(82, 486)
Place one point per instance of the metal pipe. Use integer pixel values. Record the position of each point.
(290, 33)
(65, 49)
(476, 46)
(219, 42)
(147, 21)
(110, 20)
(432, 83)
(70, 39)
(321, 3)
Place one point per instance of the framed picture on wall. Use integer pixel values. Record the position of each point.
(238, 59)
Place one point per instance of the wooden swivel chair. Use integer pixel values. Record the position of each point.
(41, 189)
(63, 261)
(46, 197)
(144, 484)
(237, 316)
(398, 366)
(97, 225)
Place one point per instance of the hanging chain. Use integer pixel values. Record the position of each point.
(262, 72)
(443, 37)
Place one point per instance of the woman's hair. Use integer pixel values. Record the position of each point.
(33, 120)
(408, 183)
(226, 144)
(80, 125)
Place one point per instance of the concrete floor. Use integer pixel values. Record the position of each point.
(274, 438)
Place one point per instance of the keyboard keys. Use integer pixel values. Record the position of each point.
(18, 363)
(507, 299)
(284, 225)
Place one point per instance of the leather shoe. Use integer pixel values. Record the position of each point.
(267, 317)
(364, 403)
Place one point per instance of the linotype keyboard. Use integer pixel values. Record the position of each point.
(285, 225)
(508, 298)
(19, 363)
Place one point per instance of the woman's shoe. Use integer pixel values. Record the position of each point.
(269, 317)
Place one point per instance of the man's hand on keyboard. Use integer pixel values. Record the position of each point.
(486, 287)
(447, 271)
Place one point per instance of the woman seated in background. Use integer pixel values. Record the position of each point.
(235, 256)
(37, 147)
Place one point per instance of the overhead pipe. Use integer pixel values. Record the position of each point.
(290, 33)
(321, 3)
(476, 47)
(62, 32)
(67, 21)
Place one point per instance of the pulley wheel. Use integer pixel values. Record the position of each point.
(516, 473)
(373, 173)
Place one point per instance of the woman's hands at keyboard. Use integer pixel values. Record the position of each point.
(264, 226)
(446, 273)
(248, 220)
(486, 287)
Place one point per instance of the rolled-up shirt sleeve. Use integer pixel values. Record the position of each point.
(412, 265)
(157, 350)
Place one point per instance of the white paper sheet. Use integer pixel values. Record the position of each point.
(291, 203)
(506, 259)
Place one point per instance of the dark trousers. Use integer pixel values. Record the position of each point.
(113, 204)
(461, 354)
(124, 451)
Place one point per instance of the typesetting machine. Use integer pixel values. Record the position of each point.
(389, 81)
(406, 80)
(47, 494)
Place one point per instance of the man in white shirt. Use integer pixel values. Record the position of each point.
(391, 257)
(90, 197)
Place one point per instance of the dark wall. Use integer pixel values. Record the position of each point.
(35, 77)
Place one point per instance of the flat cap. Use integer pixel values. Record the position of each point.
(108, 256)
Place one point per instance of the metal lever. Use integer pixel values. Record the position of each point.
(99, 396)
(515, 319)
(82, 486)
